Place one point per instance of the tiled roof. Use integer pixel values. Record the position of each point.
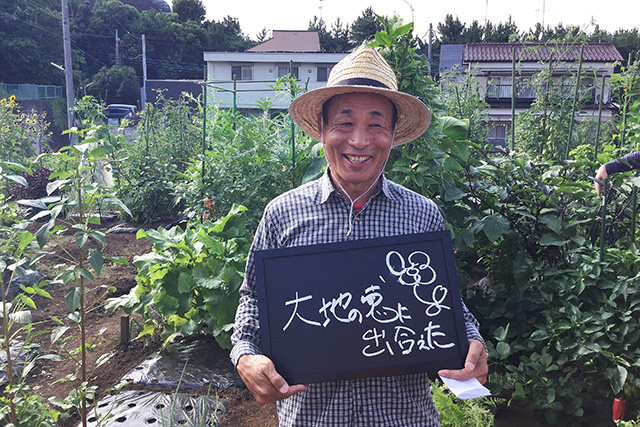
(290, 41)
(502, 52)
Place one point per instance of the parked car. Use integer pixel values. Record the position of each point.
(116, 112)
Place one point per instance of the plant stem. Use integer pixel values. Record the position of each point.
(6, 342)
(83, 353)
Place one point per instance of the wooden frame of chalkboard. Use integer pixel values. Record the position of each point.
(366, 308)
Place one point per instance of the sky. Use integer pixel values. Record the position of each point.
(254, 15)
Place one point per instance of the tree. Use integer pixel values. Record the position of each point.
(340, 37)
(263, 35)
(365, 27)
(627, 42)
(94, 35)
(30, 39)
(500, 33)
(451, 30)
(318, 24)
(474, 33)
(116, 85)
(189, 10)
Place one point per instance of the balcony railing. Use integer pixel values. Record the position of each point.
(524, 93)
(504, 92)
(24, 92)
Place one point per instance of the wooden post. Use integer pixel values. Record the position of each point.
(125, 335)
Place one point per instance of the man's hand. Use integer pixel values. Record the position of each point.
(475, 366)
(263, 381)
(601, 175)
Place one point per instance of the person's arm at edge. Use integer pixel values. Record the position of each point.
(256, 370)
(626, 163)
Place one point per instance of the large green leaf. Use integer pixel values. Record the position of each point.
(19, 179)
(618, 378)
(25, 239)
(72, 298)
(206, 279)
(494, 226)
(185, 282)
(166, 304)
(549, 239)
(96, 259)
(456, 129)
(23, 316)
(451, 191)
(58, 332)
(56, 185)
(553, 222)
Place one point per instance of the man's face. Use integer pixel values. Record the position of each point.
(357, 139)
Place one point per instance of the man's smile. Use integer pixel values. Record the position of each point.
(356, 159)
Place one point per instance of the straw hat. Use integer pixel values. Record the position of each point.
(364, 70)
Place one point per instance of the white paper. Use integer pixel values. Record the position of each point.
(466, 389)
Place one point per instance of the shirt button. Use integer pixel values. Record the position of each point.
(357, 219)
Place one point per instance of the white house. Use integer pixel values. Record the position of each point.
(243, 79)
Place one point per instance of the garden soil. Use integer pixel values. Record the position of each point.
(243, 410)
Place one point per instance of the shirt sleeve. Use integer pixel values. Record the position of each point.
(246, 333)
(472, 325)
(625, 163)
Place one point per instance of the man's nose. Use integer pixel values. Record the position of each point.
(359, 138)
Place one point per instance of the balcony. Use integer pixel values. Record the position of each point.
(500, 95)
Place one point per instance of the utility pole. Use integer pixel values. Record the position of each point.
(68, 70)
(117, 51)
(143, 98)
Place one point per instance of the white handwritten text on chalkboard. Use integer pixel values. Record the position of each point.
(391, 335)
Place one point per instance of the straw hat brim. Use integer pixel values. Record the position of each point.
(413, 116)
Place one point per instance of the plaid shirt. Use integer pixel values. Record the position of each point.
(316, 213)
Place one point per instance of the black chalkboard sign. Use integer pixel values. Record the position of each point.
(375, 307)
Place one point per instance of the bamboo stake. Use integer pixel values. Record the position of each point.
(575, 102)
(513, 98)
(595, 149)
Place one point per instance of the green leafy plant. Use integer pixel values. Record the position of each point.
(249, 161)
(76, 214)
(191, 279)
(170, 135)
(630, 423)
(528, 225)
(456, 412)
(18, 259)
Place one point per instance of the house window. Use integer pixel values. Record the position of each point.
(283, 70)
(499, 87)
(497, 134)
(323, 73)
(241, 72)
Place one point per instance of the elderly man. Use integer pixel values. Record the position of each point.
(359, 116)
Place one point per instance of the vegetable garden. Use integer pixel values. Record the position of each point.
(551, 272)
